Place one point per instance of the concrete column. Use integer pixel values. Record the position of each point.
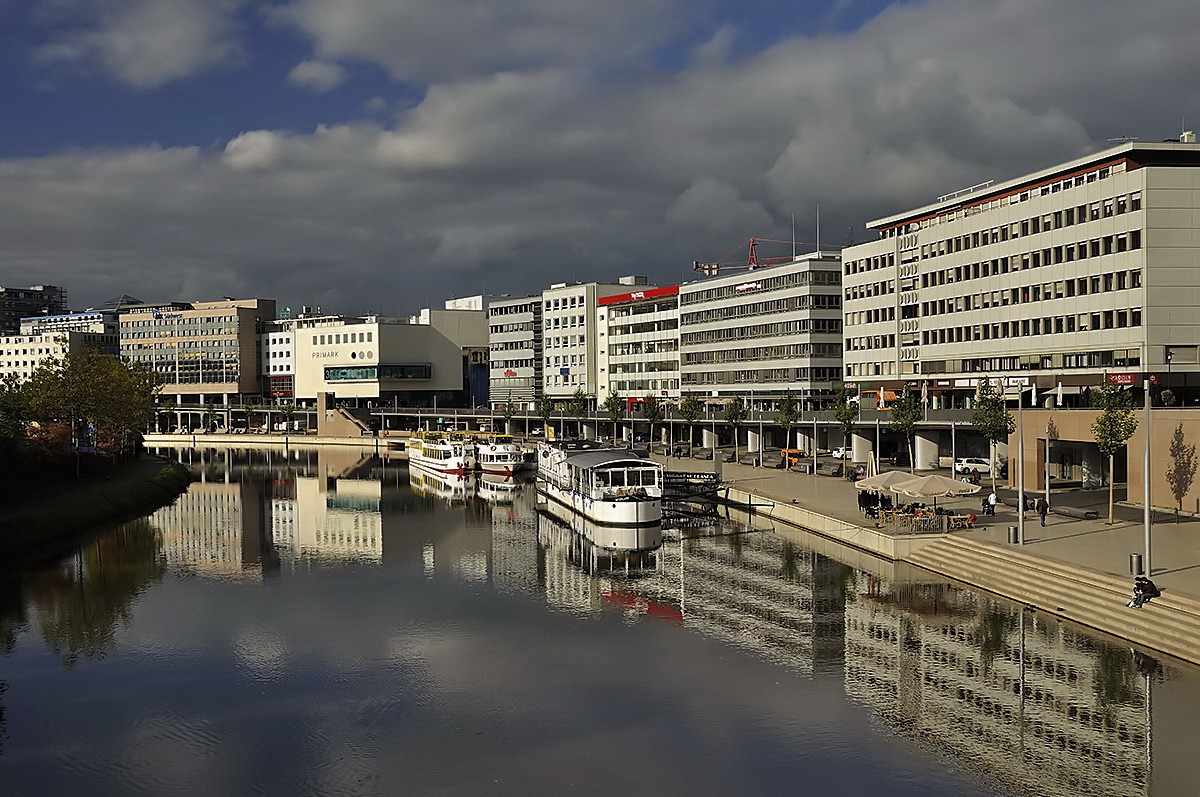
(589, 431)
(1093, 467)
(861, 445)
(753, 441)
(708, 439)
(925, 449)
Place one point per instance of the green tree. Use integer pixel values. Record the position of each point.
(614, 406)
(652, 411)
(992, 419)
(1167, 397)
(1181, 473)
(845, 412)
(210, 415)
(578, 406)
(545, 411)
(287, 411)
(788, 417)
(689, 409)
(735, 414)
(13, 414)
(508, 409)
(905, 414)
(1113, 427)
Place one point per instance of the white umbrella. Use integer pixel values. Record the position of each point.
(935, 486)
(888, 480)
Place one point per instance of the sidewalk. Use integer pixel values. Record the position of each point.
(1090, 544)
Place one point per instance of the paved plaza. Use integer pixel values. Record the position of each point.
(1091, 544)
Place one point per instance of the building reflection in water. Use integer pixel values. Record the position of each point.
(1031, 704)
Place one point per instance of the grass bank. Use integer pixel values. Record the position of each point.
(56, 515)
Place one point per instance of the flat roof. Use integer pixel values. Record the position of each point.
(592, 459)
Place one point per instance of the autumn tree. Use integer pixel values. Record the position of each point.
(992, 419)
(614, 407)
(578, 406)
(735, 414)
(1113, 427)
(905, 415)
(689, 409)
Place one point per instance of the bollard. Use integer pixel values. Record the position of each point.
(1135, 564)
(1013, 539)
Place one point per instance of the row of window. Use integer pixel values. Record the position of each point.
(1047, 291)
(635, 386)
(747, 376)
(645, 326)
(564, 302)
(511, 345)
(787, 304)
(343, 373)
(199, 320)
(667, 305)
(342, 337)
(1114, 358)
(643, 347)
(801, 326)
(563, 322)
(645, 367)
(1050, 325)
(526, 326)
(496, 310)
(781, 282)
(795, 350)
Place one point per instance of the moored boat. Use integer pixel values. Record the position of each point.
(605, 485)
(436, 451)
(500, 454)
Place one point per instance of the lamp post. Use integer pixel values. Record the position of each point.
(1146, 475)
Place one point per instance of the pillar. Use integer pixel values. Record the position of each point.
(707, 438)
(589, 431)
(753, 440)
(925, 450)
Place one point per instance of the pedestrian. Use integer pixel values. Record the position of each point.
(1143, 590)
(991, 502)
(975, 476)
(1042, 508)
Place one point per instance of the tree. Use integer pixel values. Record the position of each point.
(1115, 425)
(689, 409)
(845, 412)
(992, 419)
(13, 414)
(905, 414)
(652, 411)
(1182, 471)
(508, 409)
(545, 411)
(578, 406)
(1167, 397)
(614, 405)
(287, 411)
(735, 413)
(788, 417)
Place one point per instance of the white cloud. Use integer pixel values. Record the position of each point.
(508, 180)
(146, 43)
(320, 76)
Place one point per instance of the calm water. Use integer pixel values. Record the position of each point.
(326, 623)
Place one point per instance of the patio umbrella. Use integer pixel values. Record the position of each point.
(888, 480)
(935, 486)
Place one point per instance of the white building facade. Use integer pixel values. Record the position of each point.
(637, 346)
(515, 351)
(763, 333)
(1058, 278)
(569, 335)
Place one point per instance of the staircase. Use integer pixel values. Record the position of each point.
(1170, 623)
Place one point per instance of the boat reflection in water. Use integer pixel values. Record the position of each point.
(497, 489)
(452, 488)
(597, 548)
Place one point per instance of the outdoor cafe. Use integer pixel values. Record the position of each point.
(914, 516)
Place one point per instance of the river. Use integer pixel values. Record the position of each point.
(325, 622)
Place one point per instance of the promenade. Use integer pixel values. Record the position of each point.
(1090, 544)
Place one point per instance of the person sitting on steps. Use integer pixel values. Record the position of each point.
(1143, 590)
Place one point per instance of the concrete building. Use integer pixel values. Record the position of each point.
(206, 352)
(763, 333)
(18, 303)
(515, 351)
(98, 322)
(21, 355)
(1059, 277)
(569, 334)
(279, 350)
(637, 348)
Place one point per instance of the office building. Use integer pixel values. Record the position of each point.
(1054, 279)
(763, 333)
(515, 351)
(21, 355)
(637, 349)
(18, 303)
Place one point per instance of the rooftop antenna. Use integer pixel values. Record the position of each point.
(1123, 139)
(793, 235)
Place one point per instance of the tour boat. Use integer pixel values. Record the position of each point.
(499, 453)
(436, 451)
(453, 488)
(605, 485)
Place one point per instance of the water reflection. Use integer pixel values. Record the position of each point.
(1029, 704)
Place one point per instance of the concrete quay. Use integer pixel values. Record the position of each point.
(1076, 569)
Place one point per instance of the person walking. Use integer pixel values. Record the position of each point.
(1042, 509)
(991, 502)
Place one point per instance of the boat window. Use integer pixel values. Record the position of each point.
(602, 478)
(618, 478)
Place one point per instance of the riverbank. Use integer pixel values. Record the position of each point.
(50, 518)
(1073, 568)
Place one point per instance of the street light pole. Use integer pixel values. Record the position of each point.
(1146, 474)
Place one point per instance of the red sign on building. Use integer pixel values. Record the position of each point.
(649, 293)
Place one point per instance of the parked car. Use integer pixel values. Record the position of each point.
(969, 464)
(840, 453)
(900, 458)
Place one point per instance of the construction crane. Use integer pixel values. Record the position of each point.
(753, 260)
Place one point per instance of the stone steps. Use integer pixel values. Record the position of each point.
(1169, 624)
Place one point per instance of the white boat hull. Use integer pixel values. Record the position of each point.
(451, 465)
(630, 512)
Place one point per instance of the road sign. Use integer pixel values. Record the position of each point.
(1131, 379)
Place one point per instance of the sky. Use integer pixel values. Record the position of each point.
(379, 156)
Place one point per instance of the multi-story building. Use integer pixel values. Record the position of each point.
(21, 355)
(569, 335)
(515, 351)
(18, 303)
(279, 349)
(637, 349)
(202, 352)
(99, 322)
(1056, 278)
(764, 333)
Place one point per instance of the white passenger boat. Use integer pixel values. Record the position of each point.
(605, 485)
(500, 454)
(453, 488)
(438, 452)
